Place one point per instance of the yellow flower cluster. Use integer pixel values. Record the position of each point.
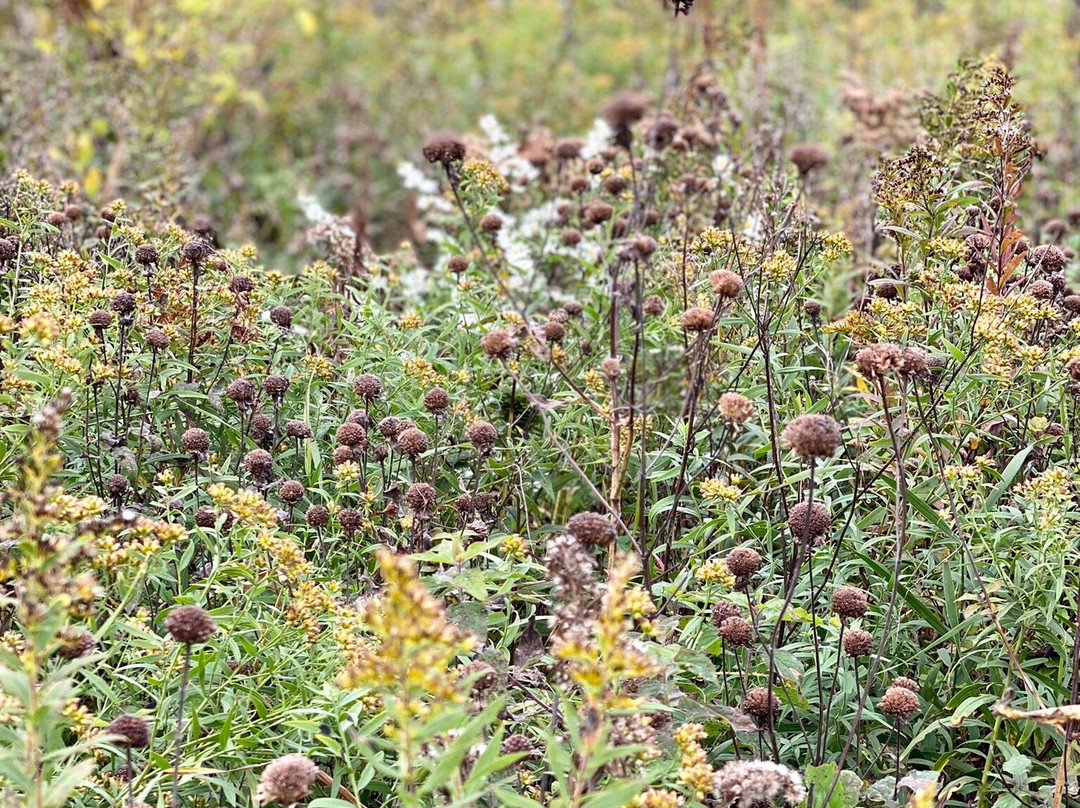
(694, 769)
(610, 657)
(410, 320)
(1050, 495)
(484, 176)
(416, 367)
(247, 506)
(835, 245)
(308, 601)
(319, 366)
(81, 718)
(284, 557)
(715, 571)
(147, 538)
(414, 644)
(712, 240)
(514, 546)
(715, 488)
(657, 798)
(778, 267)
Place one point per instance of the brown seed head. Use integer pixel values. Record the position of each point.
(819, 519)
(146, 254)
(241, 391)
(591, 528)
(287, 780)
(349, 434)
(808, 156)
(907, 683)
(726, 284)
(723, 610)
(737, 631)
(130, 731)
(736, 408)
(899, 703)
(498, 344)
(368, 386)
(444, 148)
(743, 561)
(297, 430)
(811, 436)
(760, 703)
(654, 305)
(698, 318)
(482, 435)
(849, 602)
(412, 442)
(281, 316)
(436, 400)
(858, 643)
(157, 339)
(421, 498)
(99, 319)
(190, 625)
(317, 516)
(292, 491)
(275, 386)
(195, 441)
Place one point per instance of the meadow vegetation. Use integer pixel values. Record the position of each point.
(707, 440)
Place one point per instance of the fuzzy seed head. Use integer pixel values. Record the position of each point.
(812, 436)
(819, 520)
(130, 731)
(899, 703)
(591, 529)
(849, 602)
(287, 780)
(743, 561)
(190, 625)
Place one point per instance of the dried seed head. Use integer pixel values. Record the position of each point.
(591, 529)
(259, 464)
(276, 386)
(298, 430)
(736, 408)
(517, 744)
(726, 284)
(317, 516)
(908, 684)
(8, 250)
(157, 339)
(858, 643)
(553, 331)
(849, 602)
(819, 520)
(287, 780)
(482, 435)
(350, 520)
(808, 156)
(1041, 289)
(350, 434)
(615, 184)
(743, 561)
(625, 108)
(483, 676)
(698, 319)
(146, 254)
(436, 400)
(343, 454)
(390, 427)
(130, 731)
(761, 703)
(190, 625)
(75, 643)
(498, 344)
(195, 441)
(483, 501)
(737, 631)
(899, 703)
(1048, 257)
(241, 285)
(572, 307)
(368, 386)
(878, 360)
(123, 303)
(281, 316)
(723, 610)
(292, 491)
(570, 237)
(491, 223)
(412, 442)
(444, 148)
(812, 309)
(116, 485)
(811, 436)
(913, 361)
(654, 305)
(241, 391)
(421, 498)
(99, 319)
(205, 516)
(197, 250)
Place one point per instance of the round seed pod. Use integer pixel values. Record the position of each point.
(298, 430)
(350, 434)
(190, 625)
(725, 284)
(287, 780)
(698, 319)
(412, 442)
(281, 316)
(905, 682)
(195, 441)
(654, 305)
(350, 520)
(591, 529)
(436, 400)
(737, 631)
(421, 498)
(116, 485)
(75, 643)
(813, 436)
(899, 703)
(259, 463)
(129, 731)
(498, 343)
(146, 254)
(276, 386)
(240, 391)
(292, 491)
(849, 602)
(761, 704)
(482, 435)
(317, 516)
(100, 319)
(858, 643)
(743, 561)
(157, 339)
(819, 520)
(723, 610)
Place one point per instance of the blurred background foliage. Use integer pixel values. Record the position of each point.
(236, 108)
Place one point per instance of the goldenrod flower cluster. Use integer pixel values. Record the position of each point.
(694, 769)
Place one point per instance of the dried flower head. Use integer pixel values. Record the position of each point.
(129, 731)
(259, 464)
(735, 408)
(317, 516)
(292, 491)
(907, 683)
(698, 319)
(858, 643)
(498, 343)
(444, 148)
(240, 391)
(722, 610)
(146, 254)
(281, 316)
(725, 283)
(737, 631)
(436, 400)
(276, 386)
(195, 441)
(350, 434)
(190, 625)
(849, 602)
(157, 339)
(755, 783)
(813, 526)
(654, 305)
(808, 156)
(287, 780)
(75, 643)
(421, 497)
(298, 430)
(743, 561)
(761, 702)
(412, 442)
(899, 703)
(812, 436)
(482, 435)
(591, 529)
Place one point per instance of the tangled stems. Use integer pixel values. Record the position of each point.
(175, 803)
